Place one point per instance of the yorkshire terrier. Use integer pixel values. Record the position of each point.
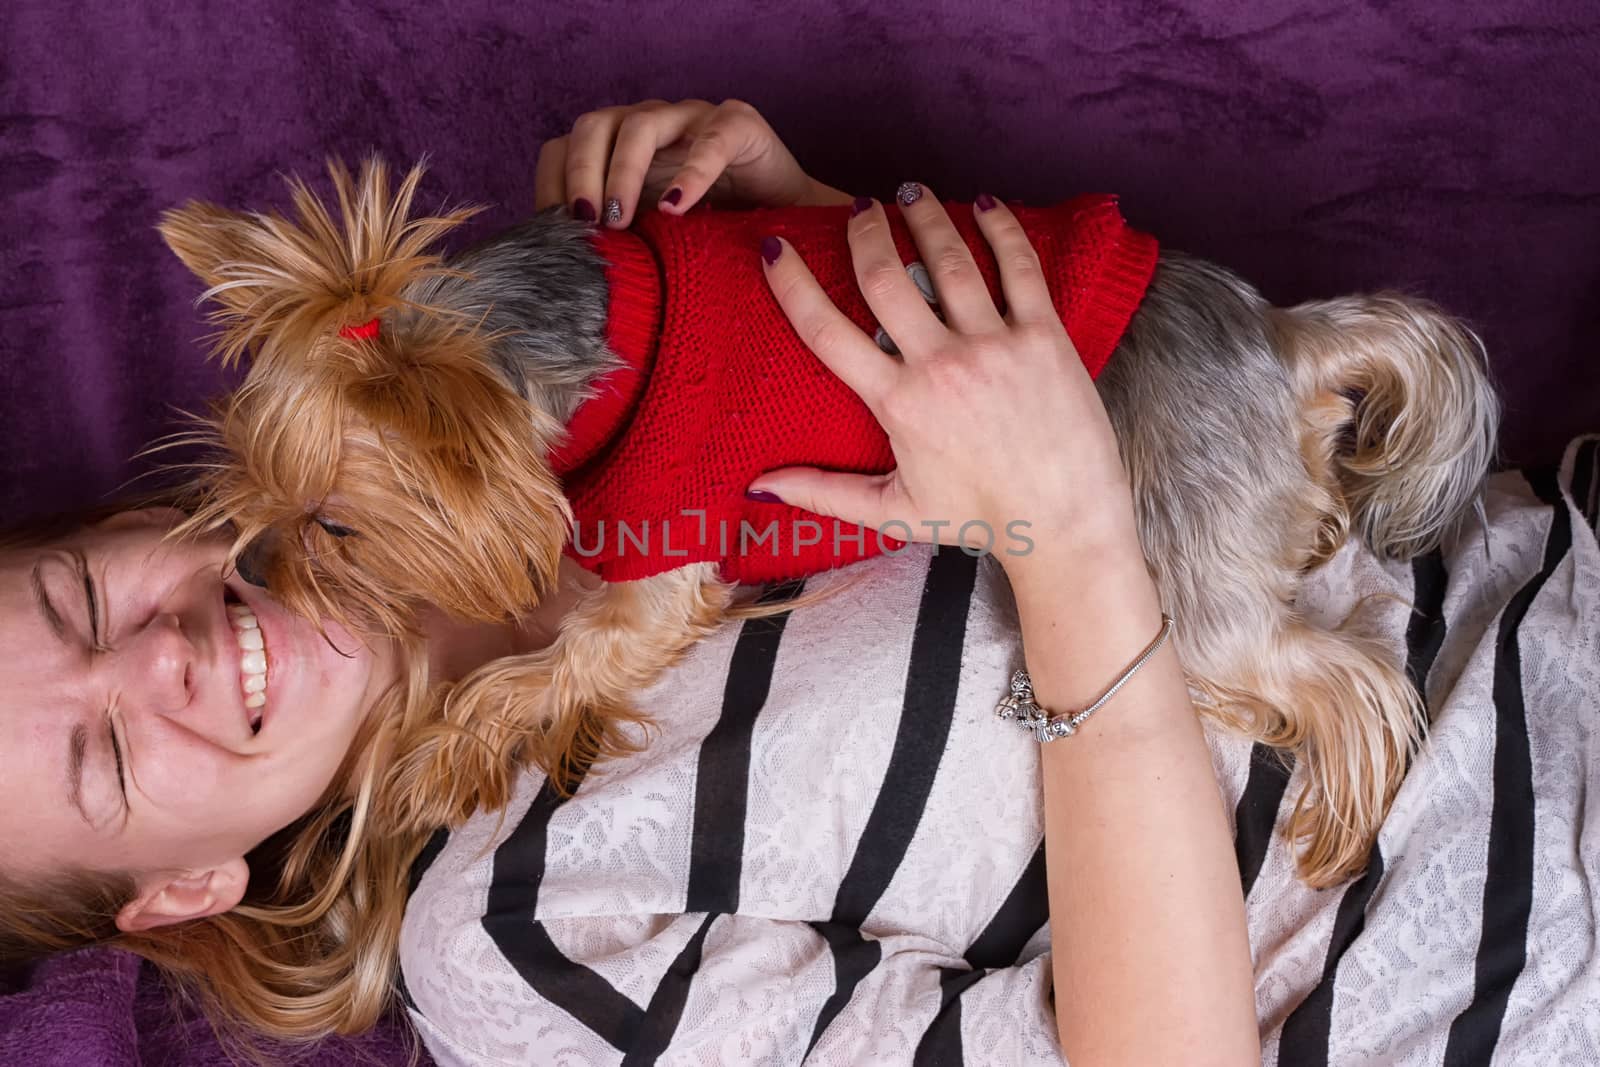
(415, 431)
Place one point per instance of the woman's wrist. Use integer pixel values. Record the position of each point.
(1078, 551)
(1090, 607)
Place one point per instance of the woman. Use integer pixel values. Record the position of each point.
(214, 821)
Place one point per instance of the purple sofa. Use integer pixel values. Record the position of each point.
(1451, 149)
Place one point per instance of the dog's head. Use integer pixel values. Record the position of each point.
(373, 460)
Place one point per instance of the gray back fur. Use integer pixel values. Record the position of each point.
(540, 285)
(1203, 410)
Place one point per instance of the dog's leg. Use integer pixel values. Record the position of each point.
(1337, 702)
(1399, 415)
(565, 706)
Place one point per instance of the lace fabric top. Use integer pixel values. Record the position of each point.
(831, 850)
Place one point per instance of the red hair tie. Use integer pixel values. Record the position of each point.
(365, 332)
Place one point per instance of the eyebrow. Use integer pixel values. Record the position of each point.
(80, 566)
(52, 617)
(77, 746)
(78, 740)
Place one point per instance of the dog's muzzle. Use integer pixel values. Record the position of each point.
(252, 562)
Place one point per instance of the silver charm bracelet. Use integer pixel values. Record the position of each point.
(1019, 705)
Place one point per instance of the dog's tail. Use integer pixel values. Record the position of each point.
(1399, 416)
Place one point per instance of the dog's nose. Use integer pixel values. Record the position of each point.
(252, 562)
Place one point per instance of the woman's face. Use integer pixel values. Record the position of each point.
(129, 738)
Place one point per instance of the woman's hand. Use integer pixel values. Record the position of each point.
(992, 418)
(672, 156)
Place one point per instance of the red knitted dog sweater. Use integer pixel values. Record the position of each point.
(717, 389)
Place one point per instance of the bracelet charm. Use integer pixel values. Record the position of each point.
(1019, 706)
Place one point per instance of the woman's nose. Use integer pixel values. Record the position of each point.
(158, 666)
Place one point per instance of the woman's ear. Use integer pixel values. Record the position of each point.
(169, 899)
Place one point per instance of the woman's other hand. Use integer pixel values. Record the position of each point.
(671, 156)
(992, 418)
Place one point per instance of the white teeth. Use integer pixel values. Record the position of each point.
(252, 658)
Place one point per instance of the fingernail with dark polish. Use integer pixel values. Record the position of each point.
(613, 211)
(673, 196)
(582, 210)
(771, 249)
(761, 496)
(860, 204)
(985, 201)
(908, 193)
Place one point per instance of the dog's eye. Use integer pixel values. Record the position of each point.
(333, 529)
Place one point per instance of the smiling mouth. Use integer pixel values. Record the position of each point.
(252, 659)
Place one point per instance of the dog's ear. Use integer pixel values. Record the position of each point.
(205, 237)
(230, 253)
(297, 281)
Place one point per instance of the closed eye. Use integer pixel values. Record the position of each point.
(333, 529)
(96, 636)
(116, 750)
(92, 599)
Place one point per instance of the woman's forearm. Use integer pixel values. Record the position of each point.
(1151, 958)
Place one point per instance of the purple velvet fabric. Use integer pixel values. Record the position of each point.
(1317, 146)
(103, 1009)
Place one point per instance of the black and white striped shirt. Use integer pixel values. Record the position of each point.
(831, 852)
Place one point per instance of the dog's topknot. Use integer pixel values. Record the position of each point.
(289, 286)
